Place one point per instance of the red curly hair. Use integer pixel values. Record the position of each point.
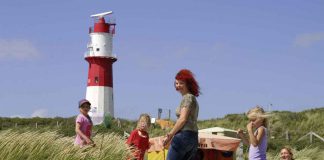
(188, 77)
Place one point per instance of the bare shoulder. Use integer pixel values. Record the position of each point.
(261, 130)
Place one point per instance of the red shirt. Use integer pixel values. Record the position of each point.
(140, 142)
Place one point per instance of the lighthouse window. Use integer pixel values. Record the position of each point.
(96, 79)
(97, 49)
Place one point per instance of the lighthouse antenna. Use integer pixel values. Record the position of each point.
(100, 15)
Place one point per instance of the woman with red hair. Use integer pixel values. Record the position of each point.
(184, 134)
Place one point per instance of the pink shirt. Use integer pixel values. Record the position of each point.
(85, 127)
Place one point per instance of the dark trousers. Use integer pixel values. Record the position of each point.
(184, 146)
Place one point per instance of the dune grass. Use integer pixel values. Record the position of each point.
(35, 145)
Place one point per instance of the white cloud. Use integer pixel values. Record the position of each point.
(306, 40)
(40, 113)
(17, 116)
(17, 49)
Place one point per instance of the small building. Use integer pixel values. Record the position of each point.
(220, 131)
(228, 133)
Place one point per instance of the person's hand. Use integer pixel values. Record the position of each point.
(88, 141)
(167, 140)
(93, 144)
(150, 144)
(249, 127)
(240, 133)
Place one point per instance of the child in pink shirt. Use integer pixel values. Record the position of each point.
(83, 125)
(139, 138)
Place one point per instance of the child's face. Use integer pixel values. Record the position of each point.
(143, 125)
(85, 108)
(285, 155)
(256, 122)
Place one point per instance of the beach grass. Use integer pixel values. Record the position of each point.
(34, 145)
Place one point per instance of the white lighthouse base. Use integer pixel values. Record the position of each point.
(101, 99)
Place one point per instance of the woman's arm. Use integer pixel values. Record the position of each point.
(184, 114)
(79, 132)
(255, 139)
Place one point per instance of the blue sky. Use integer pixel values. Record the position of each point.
(243, 53)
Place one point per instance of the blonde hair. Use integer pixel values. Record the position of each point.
(289, 151)
(144, 118)
(258, 112)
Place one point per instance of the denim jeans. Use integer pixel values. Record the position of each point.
(184, 146)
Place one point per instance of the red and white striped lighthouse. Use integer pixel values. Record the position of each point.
(100, 75)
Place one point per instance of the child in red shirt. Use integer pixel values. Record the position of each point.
(139, 138)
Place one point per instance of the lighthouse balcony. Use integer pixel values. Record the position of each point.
(92, 54)
(89, 54)
(89, 45)
(90, 30)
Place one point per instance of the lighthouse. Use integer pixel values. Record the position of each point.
(100, 76)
